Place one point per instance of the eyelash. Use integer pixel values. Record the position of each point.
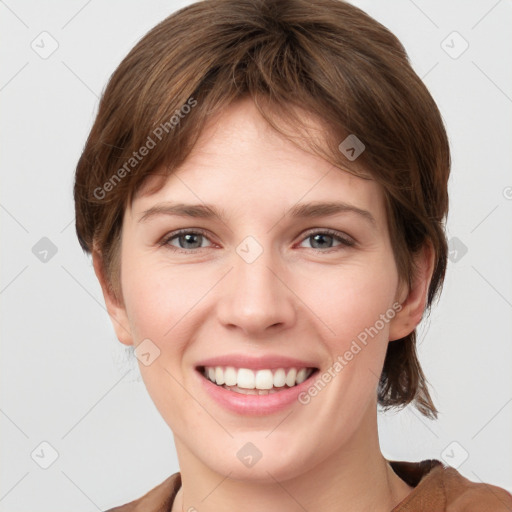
(345, 242)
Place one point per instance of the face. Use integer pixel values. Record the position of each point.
(267, 292)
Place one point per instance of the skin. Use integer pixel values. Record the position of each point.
(296, 299)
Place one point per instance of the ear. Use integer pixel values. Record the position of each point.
(413, 301)
(115, 307)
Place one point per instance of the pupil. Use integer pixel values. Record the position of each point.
(321, 237)
(189, 240)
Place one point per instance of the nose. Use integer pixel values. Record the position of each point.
(256, 297)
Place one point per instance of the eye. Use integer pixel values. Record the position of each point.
(323, 239)
(186, 240)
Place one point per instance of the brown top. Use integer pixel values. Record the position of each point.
(437, 488)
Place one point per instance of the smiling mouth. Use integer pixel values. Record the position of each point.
(255, 382)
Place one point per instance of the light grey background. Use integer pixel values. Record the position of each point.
(64, 377)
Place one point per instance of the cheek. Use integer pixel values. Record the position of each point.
(158, 297)
(350, 298)
(159, 300)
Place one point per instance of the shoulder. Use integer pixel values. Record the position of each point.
(465, 495)
(440, 487)
(158, 499)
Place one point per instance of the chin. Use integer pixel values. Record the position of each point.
(262, 461)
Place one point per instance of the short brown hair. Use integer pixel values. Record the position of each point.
(324, 57)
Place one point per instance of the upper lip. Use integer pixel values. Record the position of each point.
(256, 363)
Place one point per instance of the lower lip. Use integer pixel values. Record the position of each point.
(255, 405)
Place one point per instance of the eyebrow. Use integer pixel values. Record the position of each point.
(298, 211)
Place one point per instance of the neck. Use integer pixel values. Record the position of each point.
(356, 477)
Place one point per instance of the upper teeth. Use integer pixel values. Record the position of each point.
(256, 379)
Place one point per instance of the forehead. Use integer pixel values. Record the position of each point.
(241, 162)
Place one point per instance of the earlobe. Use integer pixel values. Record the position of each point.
(115, 308)
(413, 304)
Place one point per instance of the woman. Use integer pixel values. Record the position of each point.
(263, 193)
